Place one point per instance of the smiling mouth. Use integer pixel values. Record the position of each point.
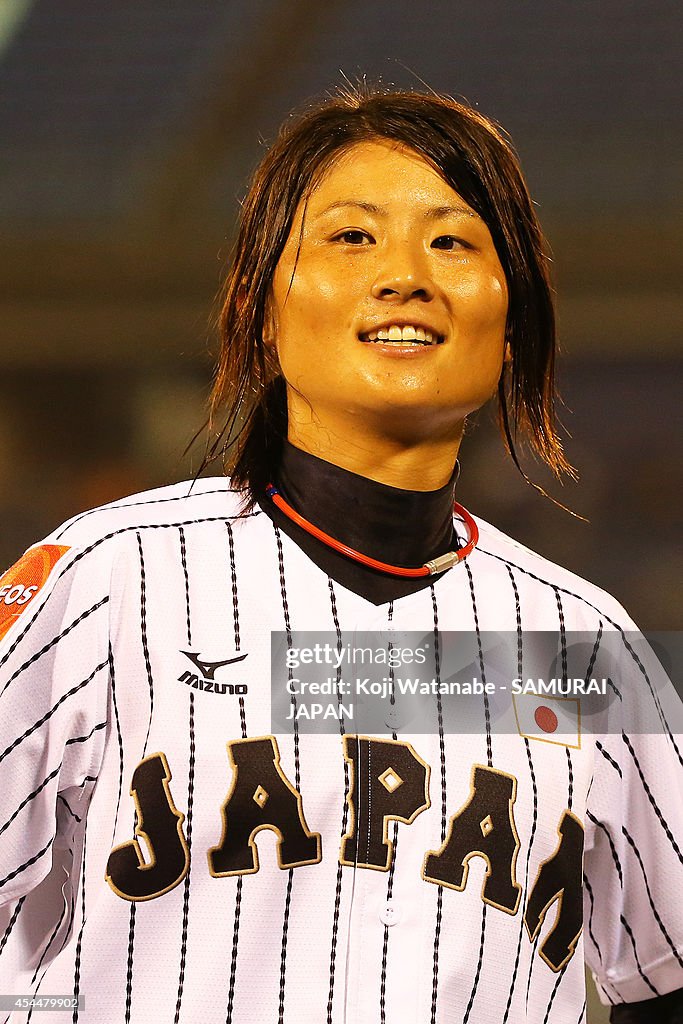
(400, 335)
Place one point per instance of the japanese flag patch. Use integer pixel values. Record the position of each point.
(553, 719)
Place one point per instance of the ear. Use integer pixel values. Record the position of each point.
(269, 334)
(507, 355)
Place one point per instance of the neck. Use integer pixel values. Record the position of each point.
(401, 462)
(396, 525)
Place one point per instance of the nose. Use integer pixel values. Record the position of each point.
(402, 277)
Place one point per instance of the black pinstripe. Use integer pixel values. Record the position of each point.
(570, 785)
(563, 632)
(190, 794)
(615, 857)
(534, 821)
(658, 919)
(641, 972)
(71, 812)
(48, 714)
(243, 726)
(487, 713)
(186, 579)
(186, 888)
(385, 939)
(82, 739)
(554, 993)
(79, 943)
(489, 755)
(233, 584)
(11, 923)
(119, 734)
(653, 694)
(392, 866)
(235, 940)
(345, 816)
(532, 961)
(129, 966)
(563, 646)
(55, 640)
(67, 932)
(653, 803)
(479, 963)
(589, 890)
(48, 944)
(609, 758)
(297, 774)
(31, 796)
(150, 681)
(143, 636)
(616, 689)
(622, 919)
(283, 958)
(594, 653)
(444, 804)
(116, 506)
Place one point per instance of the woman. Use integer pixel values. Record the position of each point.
(389, 276)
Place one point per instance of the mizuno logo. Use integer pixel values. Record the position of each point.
(204, 678)
(208, 668)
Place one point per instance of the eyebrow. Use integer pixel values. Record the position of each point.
(434, 213)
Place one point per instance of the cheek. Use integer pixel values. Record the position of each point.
(321, 296)
(315, 308)
(484, 302)
(499, 302)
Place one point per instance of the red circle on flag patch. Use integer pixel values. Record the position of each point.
(545, 718)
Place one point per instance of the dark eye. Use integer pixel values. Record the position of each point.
(448, 243)
(354, 236)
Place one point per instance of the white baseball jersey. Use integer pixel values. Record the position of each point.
(165, 857)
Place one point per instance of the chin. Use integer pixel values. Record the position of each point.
(417, 421)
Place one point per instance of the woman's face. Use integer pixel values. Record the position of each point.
(385, 249)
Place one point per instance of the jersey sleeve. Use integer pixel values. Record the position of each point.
(633, 863)
(53, 703)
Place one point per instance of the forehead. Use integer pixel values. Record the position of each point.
(382, 173)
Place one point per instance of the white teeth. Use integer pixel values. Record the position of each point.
(397, 334)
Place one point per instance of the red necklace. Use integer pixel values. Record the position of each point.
(430, 568)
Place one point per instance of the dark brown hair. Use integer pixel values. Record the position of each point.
(474, 157)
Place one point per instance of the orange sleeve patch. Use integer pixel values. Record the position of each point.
(20, 584)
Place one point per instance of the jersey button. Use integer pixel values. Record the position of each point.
(393, 719)
(390, 914)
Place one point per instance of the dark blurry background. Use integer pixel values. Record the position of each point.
(127, 133)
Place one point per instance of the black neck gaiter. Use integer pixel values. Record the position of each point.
(404, 528)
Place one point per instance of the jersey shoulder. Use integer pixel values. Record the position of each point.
(205, 499)
(537, 569)
(73, 565)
